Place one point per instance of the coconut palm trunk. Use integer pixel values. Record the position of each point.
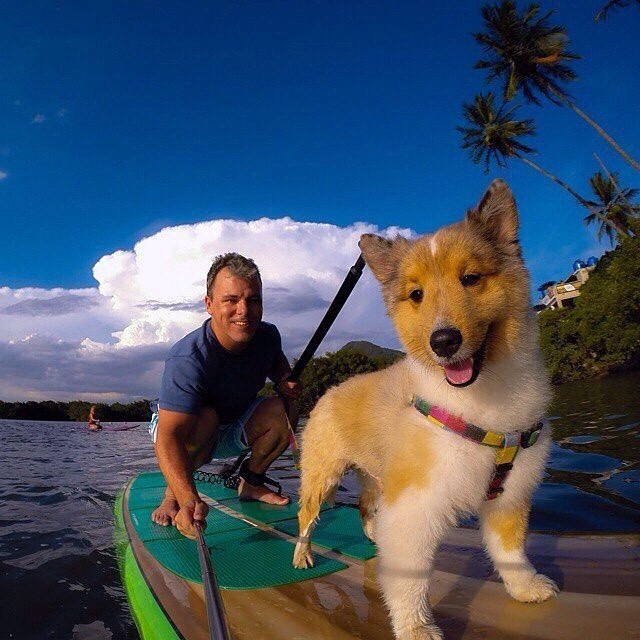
(598, 128)
(575, 194)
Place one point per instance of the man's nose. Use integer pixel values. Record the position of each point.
(242, 307)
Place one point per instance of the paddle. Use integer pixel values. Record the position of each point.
(216, 617)
(332, 312)
(330, 315)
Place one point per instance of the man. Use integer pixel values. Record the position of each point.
(209, 407)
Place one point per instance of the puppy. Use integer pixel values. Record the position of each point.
(453, 428)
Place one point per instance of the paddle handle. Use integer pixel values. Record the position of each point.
(332, 312)
(216, 616)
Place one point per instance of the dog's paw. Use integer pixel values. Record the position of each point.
(537, 588)
(302, 555)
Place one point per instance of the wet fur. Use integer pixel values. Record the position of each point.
(418, 479)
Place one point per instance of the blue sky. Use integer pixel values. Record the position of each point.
(119, 119)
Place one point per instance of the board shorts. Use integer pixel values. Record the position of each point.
(232, 439)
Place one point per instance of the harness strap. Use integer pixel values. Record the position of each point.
(506, 445)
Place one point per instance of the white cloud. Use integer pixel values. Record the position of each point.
(3, 174)
(38, 118)
(110, 341)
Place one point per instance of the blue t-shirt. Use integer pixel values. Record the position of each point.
(200, 372)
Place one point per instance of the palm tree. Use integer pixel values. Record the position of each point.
(614, 205)
(612, 4)
(492, 135)
(528, 54)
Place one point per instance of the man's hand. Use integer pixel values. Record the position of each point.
(288, 388)
(191, 510)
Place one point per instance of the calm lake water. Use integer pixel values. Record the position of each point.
(59, 576)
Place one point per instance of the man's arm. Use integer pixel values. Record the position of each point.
(280, 374)
(174, 432)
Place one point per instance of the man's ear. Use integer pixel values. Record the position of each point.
(383, 256)
(495, 217)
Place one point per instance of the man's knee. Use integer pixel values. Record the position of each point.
(273, 415)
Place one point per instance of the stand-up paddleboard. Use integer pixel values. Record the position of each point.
(119, 426)
(251, 546)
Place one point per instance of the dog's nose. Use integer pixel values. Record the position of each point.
(445, 342)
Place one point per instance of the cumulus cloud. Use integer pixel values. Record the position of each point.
(110, 341)
(38, 118)
(3, 174)
(61, 305)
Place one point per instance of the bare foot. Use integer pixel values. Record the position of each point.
(248, 491)
(166, 511)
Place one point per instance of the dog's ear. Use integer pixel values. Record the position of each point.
(496, 218)
(382, 255)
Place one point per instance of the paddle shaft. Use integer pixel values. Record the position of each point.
(332, 312)
(216, 617)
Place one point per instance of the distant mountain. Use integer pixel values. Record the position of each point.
(371, 350)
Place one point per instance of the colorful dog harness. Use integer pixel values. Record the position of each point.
(506, 445)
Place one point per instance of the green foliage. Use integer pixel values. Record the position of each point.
(524, 51)
(613, 210)
(331, 369)
(492, 133)
(602, 333)
(76, 411)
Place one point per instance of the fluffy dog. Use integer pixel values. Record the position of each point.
(436, 434)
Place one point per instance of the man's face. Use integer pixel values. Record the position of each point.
(235, 307)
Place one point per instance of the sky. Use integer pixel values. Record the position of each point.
(139, 140)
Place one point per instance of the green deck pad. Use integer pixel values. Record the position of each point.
(338, 529)
(266, 513)
(150, 479)
(149, 530)
(148, 488)
(215, 491)
(140, 498)
(242, 559)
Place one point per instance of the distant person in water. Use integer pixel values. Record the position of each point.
(209, 405)
(93, 422)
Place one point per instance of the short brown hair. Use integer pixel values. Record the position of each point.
(238, 265)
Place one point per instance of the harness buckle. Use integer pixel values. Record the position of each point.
(530, 437)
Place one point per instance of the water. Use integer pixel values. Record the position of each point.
(59, 576)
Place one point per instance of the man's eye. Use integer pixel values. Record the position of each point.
(416, 294)
(469, 279)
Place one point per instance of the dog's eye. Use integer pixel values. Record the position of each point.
(469, 279)
(416, 295)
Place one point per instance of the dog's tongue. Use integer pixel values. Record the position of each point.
(460, 372)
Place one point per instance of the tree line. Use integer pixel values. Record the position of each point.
(601, 334)
(75, 411)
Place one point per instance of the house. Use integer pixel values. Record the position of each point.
(556, 295)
